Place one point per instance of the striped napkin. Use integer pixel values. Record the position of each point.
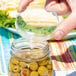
(6, 39)
(63, 53)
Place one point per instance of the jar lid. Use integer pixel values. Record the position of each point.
(36, 23)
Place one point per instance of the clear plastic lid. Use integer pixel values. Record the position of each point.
(37, 24)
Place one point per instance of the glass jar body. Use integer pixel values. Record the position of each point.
(30, 61)
(36, 68)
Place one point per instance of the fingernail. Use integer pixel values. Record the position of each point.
(20, 10)
(58, 35)
(60, 7)
(49, 6)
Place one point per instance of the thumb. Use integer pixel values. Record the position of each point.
(65, 27)
(23, 4)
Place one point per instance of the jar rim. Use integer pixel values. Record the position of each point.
(17, 42)
(22, 43)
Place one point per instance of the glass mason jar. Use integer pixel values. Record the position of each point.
(30, 59)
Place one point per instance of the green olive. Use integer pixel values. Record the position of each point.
(42, 70)
(34, 73)
(16, 69)
(14, 61)
(17, 74)
(44, 62)
(49, 67)
(33, 66)
(22, 64)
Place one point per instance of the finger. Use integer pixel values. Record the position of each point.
(72, 4)
(65, 27)
(23, 4)
(52, 2)
(61, 8)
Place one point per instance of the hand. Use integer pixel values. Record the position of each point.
(62, 7)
